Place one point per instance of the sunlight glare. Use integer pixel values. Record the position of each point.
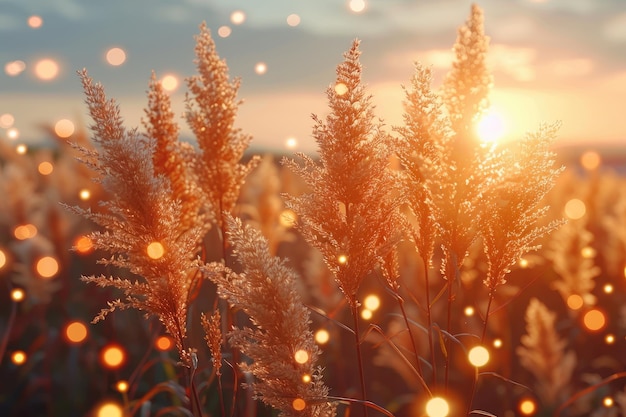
(491, 127)
(169, 82)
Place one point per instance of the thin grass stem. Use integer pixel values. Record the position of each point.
(355, 316)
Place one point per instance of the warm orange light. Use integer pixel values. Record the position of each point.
(109, 409)
(608, 288)
(575, 209)
(575, 302)
(224, 31)
(17, 294)
(298, 404)
(169, 82)
(47, 267)
(291, 143)
(342, 259)
(14, 68)
(371, 302)
(357, 6)
(84, 194)
(35, 22)
(46, 69)
(83, 245)
(6, 120)
(341, 89)
(527, 407)
(18, 357)
(155, 250)
(497, 343)
(491, 127)
(293, 20)
(478, 356)
(112, 356)
(288, 218)
(260, 68)
(523, 263)
(469, 311)
(21, 149)
(13, 133)
(76, 332)
(237, 17)
(608, 401)
(322, 336)
(306, 378)
(367, 314)
(45, 168)
(3, 259)
(64, 128)
(588, 252)
(25, 231)
(590, 160)
(164, 343)
(116, 56)
(122, 386)
(594, 320)
(437, 407)
(609, 339)
(301, 356)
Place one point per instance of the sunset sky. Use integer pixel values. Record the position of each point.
(552, 60)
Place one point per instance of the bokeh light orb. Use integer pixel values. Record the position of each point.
(47, 267)
(357, 6)
(322, 336)
(341, 89)
(224, 31)
(367, 314)
(6, 120)
(64, 128)
(76, 332)
(575, 209)
(13, 133)
(109, 409)
(14, 68)
(301, 356)
(164, 343)
(478, 356)
(237, 17)
(293, 20)
(437, 407)
(83, 245)
(594, 320)
(298, 404)
(18, 357)
(3, 259)
(590, 160)
(45, 168)
(25, 231)
(21, 149)
(35, 21)
(170, 82)
(115, 56)
(112, 356)
(291, 142)
(575, 302)
(527, 407)
(260, 68)
(155, 250)
(17, 295)
(46, 69)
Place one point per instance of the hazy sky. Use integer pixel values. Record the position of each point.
(552, 60)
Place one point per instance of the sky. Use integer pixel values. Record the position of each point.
(552, 60)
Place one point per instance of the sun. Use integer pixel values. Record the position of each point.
(491, 127)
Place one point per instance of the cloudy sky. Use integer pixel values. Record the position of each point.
(552, 60)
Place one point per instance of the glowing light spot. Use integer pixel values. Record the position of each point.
(64, 128)
(122, 386)
(341, 89)
(155, 250)
(298, 404)
(13, 133)
(575, 302)
(3, 259)
(322, 336)
(164, 343)
(367, 314)
(25, 231)
(6, 120)
(357, 6)
(47, 267)
(490, 127)
(607, 401)
(45, 168)
(76, 332)
(306, 378)
(590, 160)
(301, 356)
(372, 302)
(237, 17)
(109, 409)
(18, 357)
(588, 252)
(46, 69)
(469, 311)
(575, 209)
(497, 343)
(609, 339)
(169, 82)
(224, 31)
(112, 356)
(288, 218)
(342, 259)
(594, 320)
(293, 20)
(35, 22)
(260, 68)
(116, 56)
(84, 194)
(17, 294)
(291, 143)
(608, 288)
(21, 149)
(523, 263)
(437, 407)
(83, 245)
(527, 407)
(14, 68)
(478, 356)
